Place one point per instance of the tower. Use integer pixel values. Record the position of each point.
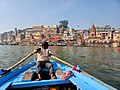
(92, 30)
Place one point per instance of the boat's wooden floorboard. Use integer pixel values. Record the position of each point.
(28, 75)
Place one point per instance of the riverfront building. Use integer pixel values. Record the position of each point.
(54, 34)
(105, 32)
(116, 36)
(38, 33)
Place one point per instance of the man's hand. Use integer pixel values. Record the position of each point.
(50, 54)
(37, 50)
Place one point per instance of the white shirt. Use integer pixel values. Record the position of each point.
(43, 55)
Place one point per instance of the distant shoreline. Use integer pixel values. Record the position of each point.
(76, 45)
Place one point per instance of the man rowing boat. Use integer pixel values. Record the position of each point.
(43, 55)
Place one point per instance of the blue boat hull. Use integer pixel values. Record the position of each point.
(82, 80)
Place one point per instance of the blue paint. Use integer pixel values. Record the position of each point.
(4, 87)
(12, 74)
(1, 72)
(82, 80)
(38, 83)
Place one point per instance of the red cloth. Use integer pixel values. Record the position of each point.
(55, 38)
(75, 68)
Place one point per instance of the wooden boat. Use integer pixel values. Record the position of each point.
(24, 78)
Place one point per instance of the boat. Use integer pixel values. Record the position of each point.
(118, 49)
(24, 78)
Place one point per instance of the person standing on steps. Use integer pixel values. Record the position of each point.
(43, 55)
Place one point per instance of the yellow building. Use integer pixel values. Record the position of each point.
(39, 33)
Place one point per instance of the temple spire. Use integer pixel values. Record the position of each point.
(92, 30)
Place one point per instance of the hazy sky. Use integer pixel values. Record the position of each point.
(26, 13)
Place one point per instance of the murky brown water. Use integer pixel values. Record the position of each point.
(103, 63)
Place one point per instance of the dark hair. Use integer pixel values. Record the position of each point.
(44, 44)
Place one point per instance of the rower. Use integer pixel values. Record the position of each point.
(43, 54)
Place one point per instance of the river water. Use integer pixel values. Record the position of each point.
(101, 62)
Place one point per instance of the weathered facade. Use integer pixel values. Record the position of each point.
(10, 36)
(116, 36)
(40, 33)
(105, 32)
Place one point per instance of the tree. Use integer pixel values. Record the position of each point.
(63, 24)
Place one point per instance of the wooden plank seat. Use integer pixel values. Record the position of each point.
(59, 72)
(28, 75)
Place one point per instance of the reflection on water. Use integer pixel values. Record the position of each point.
(103, 63)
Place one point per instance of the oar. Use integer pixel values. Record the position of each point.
(64, 62)
(4, 71)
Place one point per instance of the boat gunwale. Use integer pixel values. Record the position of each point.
(38, 83)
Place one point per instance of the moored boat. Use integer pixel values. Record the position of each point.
(25, 78)
(118, 49)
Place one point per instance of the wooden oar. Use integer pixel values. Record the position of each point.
(4, 71)
(60, 60)
(68, 64)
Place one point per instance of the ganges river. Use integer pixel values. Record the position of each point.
(101, 62)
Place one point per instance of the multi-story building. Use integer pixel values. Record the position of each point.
(39, 33)
(116, 36)
(67, 34)
(3, 38)
(19, 37)
(50, 30)
(78, 32)
(33, 33)
(105, 32)
(10, 36)
(70, 31)
(103, 28)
